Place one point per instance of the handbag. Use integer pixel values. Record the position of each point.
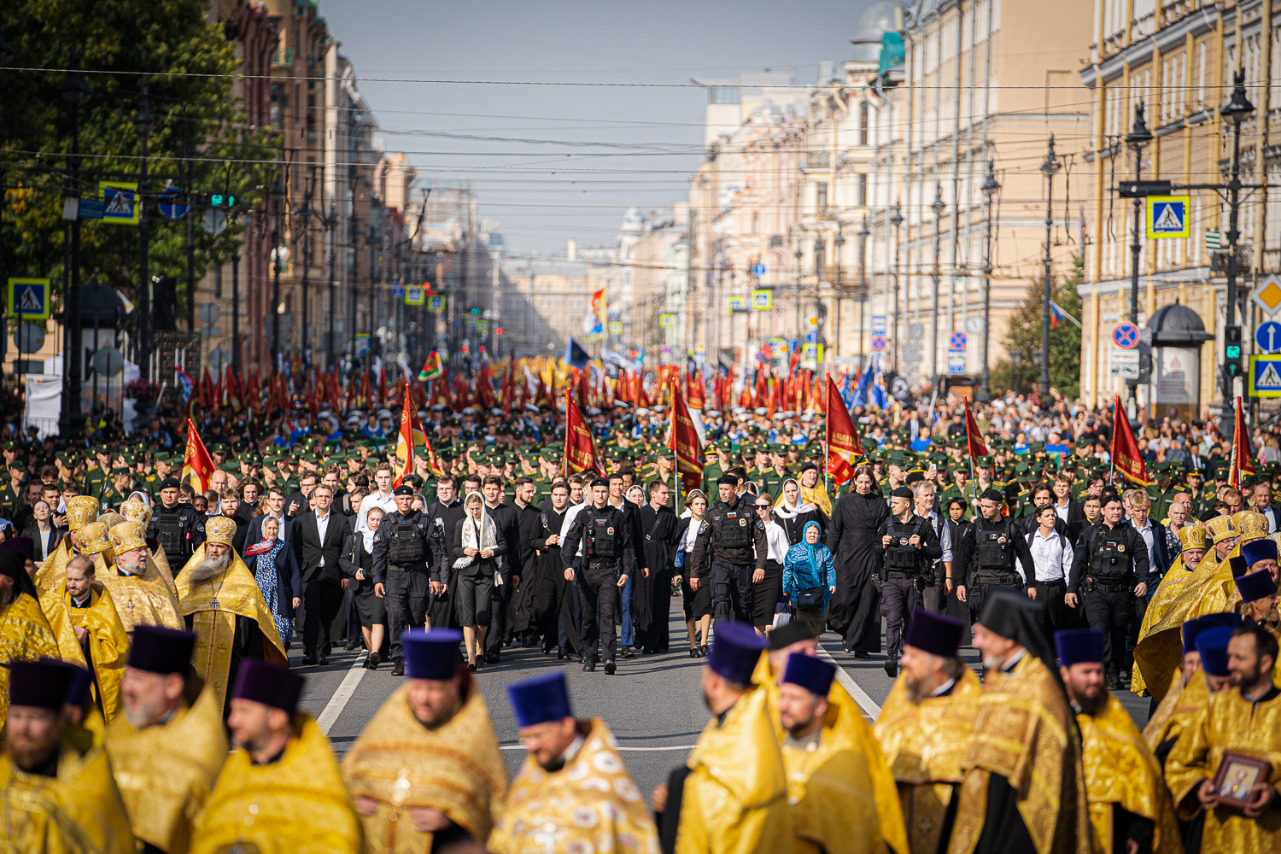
(809, 599)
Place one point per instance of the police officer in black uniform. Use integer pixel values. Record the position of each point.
(608, 561)
(987, 554)
(178, 528)
(910, 547)
(738, 552)
(1109, 572)
(403, 550)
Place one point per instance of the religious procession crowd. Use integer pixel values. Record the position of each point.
(148, 601)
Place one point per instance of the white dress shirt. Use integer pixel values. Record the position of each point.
(776, 540)
(944, 535)
(1148, 533)
(322, 526)
(1051, 556)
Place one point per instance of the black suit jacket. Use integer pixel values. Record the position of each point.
(253, 533)
(310, 548)
(55, 537)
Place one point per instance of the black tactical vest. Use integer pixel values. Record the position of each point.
(900, 555)
(735, 529)
(171, 531)
(405, 548)
(600, 537)
(994, 549)
(1111, 559)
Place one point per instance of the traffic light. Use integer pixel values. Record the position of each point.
(1232, 351)
(498, 331)
(222, 200)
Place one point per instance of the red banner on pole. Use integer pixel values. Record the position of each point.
(974, 444)
(685, 444)
(1126, 457)
(843, 446)
(580, 447)
(1242, 449)
(196, 460)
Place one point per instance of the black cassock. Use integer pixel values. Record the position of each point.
(794, 524)
(855, 611)
(652, 597)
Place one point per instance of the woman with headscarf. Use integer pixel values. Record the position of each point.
(793, 512)
(370, 610)
(475, 546)
(697, 604)
(854, 610)
(279, 579)
(809, 579)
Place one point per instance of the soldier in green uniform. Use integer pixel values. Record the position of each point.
(711, 468)
(11, 489)
(117, 492)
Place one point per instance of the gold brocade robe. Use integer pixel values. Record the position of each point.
(166, 772)
(53, 572)
(214, 606)
(1158, 655)
(1024, 732)
(1166, 594)
(296, 805)
(1176, 710)
(55, 612)
(925, 745)
(1120, 770)
(735, 796)
(142, 599)
(1228, 722)
(25, 635)
(456, 768)
(79, 811)
(592, 804)
(108, 644)
(817, 496)
(889, 812)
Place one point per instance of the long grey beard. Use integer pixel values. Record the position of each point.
(209, 568)
(137, 568)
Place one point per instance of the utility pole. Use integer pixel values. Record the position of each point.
(1138, 137)
(144, 122)
(1049, 169)
(896, 220)
(1237, 110)
(76, 93)
(989, 189)
(938, 207)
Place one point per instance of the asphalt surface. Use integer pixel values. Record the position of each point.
(653, 704)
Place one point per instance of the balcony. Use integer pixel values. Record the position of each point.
(821, 160)
(286, 60)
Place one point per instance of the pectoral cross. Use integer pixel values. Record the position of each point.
(213, 603)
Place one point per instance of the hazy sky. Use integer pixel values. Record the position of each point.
(627, 145)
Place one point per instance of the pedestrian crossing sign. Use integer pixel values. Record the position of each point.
(28, 299)
(119, 202)
(1265, 376)
(1167, 216)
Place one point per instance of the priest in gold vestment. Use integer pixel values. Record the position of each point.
(81, 510)
(141, 596)
(573, 792)
(1205, 672)
(1129, 804)
(1243, 720)
(427, 771)
(25, 633)
(280, 791)
(87, 614)
(1024, 784)
(731, 794)
(57, 795)
(924, 726)
(1192, 542)
(168, 744)
(134, 510)
(222, 604)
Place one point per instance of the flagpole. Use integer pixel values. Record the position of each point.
(827, 431)
(677, 482)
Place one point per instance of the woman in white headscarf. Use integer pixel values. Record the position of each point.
(793, 512)
(475, 547)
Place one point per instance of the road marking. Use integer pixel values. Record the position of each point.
(338, 701)
(847, 682)
(685, 747)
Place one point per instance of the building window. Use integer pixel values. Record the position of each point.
(724, 95)
(862, 190)
(862, 123)
(820, 196)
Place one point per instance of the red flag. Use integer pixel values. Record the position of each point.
(405, 446)
(1242, 460)
(843, 446)
(196, 460)
(975, 447)
(697, 392)
(580, 447)
(684, 442)
(1126, 457)
(508, 390)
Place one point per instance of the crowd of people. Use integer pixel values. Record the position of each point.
(146, 620)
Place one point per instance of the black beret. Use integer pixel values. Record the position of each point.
(992, 495)
(169, 483)
(727, 480)
(902, 492)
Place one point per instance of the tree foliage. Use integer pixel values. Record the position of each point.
(1023, 334)
(201, 140)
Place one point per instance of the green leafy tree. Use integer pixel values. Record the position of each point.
(1024, 335)
(200, 142)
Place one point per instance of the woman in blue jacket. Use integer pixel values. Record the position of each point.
(809, 579)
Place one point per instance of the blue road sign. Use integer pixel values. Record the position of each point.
(1267, 336)
(1265, 376)
(171, 205)
(90, 209)
(879, 343)
(1125, 335)
(758, 269)
(878, 324)
(957, 344)
(397, 290)
(28, 299)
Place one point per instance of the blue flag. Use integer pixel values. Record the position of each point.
(575, 355)
(860, 396)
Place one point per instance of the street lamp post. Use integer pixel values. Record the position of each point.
(896, 220)
(235, 308)
(820, 250)
(938, 206)
(989, 189)
(278, 193)
(145, 123)
(1049, 169)
(6, 57)
(798, 254)
(331, 223)
(860, 296)
(75, 93)
(1236, 110)
(839, 242)
(1138, 137)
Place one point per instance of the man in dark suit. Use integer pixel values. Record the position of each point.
(321, 542)
(1070, 511)
(1261, 502)
(275, 509)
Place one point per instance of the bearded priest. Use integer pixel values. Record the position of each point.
(222, 604)
(139, 593)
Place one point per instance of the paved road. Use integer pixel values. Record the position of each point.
(653, 704)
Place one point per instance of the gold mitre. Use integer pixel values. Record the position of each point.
(127, 536)
(1250, 525)
(136, 511)
(111, 519)
(1221, 528)
(1191, 537)
(91, 539)
(220, 529)
(81, 510)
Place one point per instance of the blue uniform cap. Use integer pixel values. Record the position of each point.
(736, 648)
(268, 684)
(1256, 585)
(1257, 550)
(539, 700)
(813, 674)
(431, 653)
(1079, 646)
(1193, 628)
(1213, 646)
